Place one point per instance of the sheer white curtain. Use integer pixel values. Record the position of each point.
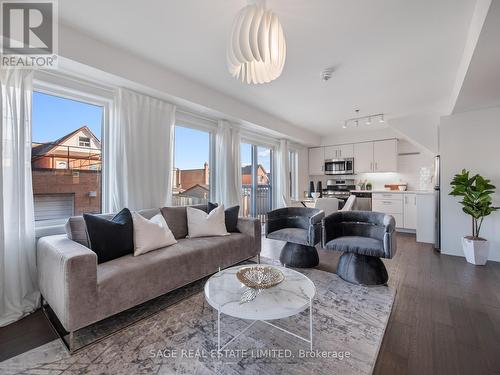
(228, 168)
(140, 152)
(19, 293)
(283, 175)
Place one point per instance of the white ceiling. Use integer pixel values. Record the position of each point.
(399, 57)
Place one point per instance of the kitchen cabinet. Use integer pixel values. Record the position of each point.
(410, 211)
(390, 203)
(316, 161)
(363, 157)
(385, 156)
(339, 151)
(377, 156)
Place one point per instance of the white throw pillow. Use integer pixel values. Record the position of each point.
(151, 234)
(201, 224)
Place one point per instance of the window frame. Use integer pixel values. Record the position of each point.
(193, 123)
(87, 93)
(85, 140)
(255, 142)
(294, 174)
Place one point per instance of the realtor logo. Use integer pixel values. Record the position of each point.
(29, 34)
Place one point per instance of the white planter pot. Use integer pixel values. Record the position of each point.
(476, 251)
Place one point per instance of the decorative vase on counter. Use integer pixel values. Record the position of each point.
(319, 189)
(311, 188)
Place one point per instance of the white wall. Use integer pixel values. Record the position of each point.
(419, 129)
(469, 140)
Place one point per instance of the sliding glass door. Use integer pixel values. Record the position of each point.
(256, 180)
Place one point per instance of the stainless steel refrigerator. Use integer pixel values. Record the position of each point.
(437, 192)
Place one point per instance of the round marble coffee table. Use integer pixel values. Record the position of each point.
(292, 296)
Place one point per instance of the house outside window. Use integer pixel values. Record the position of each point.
(191, 175)
(66, 158)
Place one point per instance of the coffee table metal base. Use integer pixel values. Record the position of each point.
(309, 340)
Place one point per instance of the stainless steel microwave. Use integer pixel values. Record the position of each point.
(339, 166)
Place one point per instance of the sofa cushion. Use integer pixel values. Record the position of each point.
(358, 245)
(151, 234)
(110, 239)
(138, 279)
(294, 235)
(76, 229)
(201, 224)
(176, 218)
(231, 216)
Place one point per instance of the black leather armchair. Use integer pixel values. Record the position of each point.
(300, 227)
(364, 237)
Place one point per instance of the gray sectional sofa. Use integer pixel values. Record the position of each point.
(82, 292)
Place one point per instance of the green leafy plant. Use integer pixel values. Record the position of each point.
(477, 202)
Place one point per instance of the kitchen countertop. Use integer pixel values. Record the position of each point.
(394, 191)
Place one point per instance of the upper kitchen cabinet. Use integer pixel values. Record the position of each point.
(363, 157)
(339, 151)
(316, 161)
(377, 156)
(385, 156)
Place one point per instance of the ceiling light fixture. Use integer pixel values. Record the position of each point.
(256, 50)
(326, 74)
(367, 119)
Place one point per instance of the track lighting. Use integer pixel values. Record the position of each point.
(366, 119)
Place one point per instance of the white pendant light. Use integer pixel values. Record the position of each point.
(256, 50)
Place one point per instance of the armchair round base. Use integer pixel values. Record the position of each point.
(362, 269)
(301, 256)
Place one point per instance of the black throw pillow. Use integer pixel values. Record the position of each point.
(231, 216)
(110, 239)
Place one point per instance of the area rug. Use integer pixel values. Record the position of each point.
(349, 322)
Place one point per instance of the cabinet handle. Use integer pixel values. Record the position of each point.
(415, 199)
(386, 202)
(376, 166)
(340, 153)
(371, 166)
(322, 168)
(406, 199)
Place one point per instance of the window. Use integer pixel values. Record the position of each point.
(66, 176)
(256, 180)
(84, 141)
(293, 163)
(191, 177)
(61, 164)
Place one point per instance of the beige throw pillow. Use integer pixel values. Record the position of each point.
(201, 224)
(151, 234)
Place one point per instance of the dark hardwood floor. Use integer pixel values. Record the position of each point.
(445, 320)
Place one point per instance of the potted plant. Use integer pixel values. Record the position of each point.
(476, 192)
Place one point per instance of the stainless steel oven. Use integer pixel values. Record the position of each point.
(339, 166)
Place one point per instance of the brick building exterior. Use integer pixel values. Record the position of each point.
(66, 175)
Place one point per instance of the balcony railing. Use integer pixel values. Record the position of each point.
(263, 201)
(184, 200)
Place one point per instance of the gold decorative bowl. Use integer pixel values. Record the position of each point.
(260, 277)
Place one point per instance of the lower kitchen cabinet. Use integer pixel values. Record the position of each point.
(402, 206)
(389, 203)
(410, 211)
